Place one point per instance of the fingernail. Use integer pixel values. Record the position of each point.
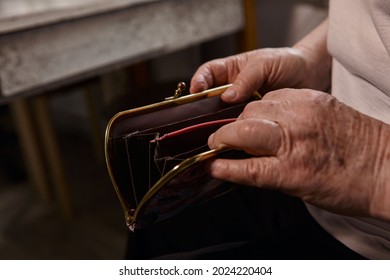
(229, 94)
(197, 88)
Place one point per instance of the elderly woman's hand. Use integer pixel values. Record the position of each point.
(308, 144)
(306, 65)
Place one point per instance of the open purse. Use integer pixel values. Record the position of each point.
(155, 154)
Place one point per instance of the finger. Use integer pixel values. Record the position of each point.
(254, 136)
(294, 94)
(263, 109)
(281, 94)
(245, 84)
(210, 74)
(273, 110)
(261, 172)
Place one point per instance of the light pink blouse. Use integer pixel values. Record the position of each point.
(359, 41)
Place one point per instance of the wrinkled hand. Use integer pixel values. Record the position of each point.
(261, 70)
(311, 146)
(306, 65)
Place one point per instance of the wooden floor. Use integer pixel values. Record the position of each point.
(33, 229)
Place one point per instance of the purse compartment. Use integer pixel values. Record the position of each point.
(174, 147)
(132, 156)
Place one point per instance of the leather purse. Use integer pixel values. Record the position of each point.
(155, 154)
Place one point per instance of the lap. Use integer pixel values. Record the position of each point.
(247, 223)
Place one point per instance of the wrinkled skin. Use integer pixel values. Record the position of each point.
(261, 70)
(306, 65)
(304, 141)
(309, 145)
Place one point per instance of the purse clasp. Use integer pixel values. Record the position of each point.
(179, 91)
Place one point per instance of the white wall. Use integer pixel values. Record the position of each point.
(279, 23)
(284, 22)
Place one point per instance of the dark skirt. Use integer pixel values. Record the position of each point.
(248, 223)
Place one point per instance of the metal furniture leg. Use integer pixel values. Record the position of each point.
(34, 162)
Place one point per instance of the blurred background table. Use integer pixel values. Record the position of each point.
(48, 44)
(45, 44)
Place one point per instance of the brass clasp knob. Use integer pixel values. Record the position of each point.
(179, 91)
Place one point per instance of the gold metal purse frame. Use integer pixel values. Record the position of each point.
(131, 215)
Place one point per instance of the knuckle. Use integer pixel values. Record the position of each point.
(246, 130)
(258, 173)
(252, 172)
(251, 106)
(278, 94)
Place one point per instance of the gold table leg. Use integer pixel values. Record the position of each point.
(51, 152)
(30, 147)
(40, 146)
